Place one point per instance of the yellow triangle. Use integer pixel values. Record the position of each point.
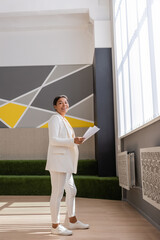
(44, 126)
(77, 123)
(11, 112)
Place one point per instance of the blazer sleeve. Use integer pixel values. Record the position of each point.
(54, 139)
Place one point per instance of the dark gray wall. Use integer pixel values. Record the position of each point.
(15, 81)
(146, 137)
(104, 112)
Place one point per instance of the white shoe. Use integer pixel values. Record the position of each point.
(60, 230)
(78, 225)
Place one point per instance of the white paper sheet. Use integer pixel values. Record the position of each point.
(90, 132)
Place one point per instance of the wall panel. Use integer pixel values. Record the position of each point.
(26, 104)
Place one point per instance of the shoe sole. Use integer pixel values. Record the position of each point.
(61, 234)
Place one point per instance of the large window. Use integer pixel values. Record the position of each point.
(137, 48)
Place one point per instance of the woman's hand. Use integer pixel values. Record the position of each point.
(78, 140)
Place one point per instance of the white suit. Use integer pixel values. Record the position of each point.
(62, 161)
(62, 151)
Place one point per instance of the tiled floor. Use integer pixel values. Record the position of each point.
(28, 218)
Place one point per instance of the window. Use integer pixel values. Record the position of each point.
(137, 49)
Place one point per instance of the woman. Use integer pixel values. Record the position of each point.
(62, 161)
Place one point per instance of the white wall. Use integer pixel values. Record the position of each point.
(102, 34)
(48, 32)
(46, 38)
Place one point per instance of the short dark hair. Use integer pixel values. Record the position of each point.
(58, 97)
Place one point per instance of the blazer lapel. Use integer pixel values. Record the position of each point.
(67, 125)
(69, 128)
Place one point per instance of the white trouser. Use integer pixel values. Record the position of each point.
(60, 182)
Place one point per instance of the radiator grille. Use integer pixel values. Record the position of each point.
(126, 170)
(150, 170)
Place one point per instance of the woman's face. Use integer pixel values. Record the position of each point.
(62, 106)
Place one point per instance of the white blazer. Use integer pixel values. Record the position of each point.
(62, 151)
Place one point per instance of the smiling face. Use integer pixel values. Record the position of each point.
(62, 106)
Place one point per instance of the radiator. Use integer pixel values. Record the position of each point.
(126, 170)
(150, 171)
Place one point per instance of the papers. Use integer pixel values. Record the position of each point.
(90, 132)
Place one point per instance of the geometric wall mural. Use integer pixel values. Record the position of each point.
(27, 93)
